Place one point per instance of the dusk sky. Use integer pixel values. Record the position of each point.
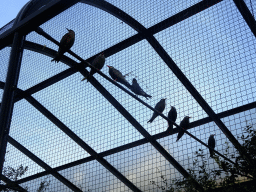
(9, 10)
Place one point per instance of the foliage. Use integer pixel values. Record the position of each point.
(16, 173)
(227, 177)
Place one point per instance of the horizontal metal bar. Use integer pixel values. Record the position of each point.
(141, 141)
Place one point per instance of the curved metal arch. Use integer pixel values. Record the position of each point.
(113, 10)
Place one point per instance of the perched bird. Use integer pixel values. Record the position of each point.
(137, 89)
(118, 76)
(185, 125)
(98, 63)
(211, 143)
(160, 108)
(66, 43)
(172, 115)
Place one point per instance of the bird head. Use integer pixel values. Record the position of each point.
(212, 135)
(187, 118)
(134, 80)
(163, 100)
(70, 31)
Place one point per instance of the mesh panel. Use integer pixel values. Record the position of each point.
(212, 51)
(42, 137)
(214, 48)
(4, 59)
(149, 13)
(93, 33)
(92, 176)
(54, 184)
(142, 165)
(14, 154)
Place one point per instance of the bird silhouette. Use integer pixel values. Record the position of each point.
(98, 63)
(160, 108)
(138, 90)
(118, 76)
(211, 144)
(185, 125)
(172, 115)
(66, 43)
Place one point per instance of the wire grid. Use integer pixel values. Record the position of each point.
(149, 13)
(42, 137)
(251, 6)
(215, 50)
(54, 184)
(95, 29)
(143, 165)
(4, 59)
(36, 68)
(13, 154)
(92, 176)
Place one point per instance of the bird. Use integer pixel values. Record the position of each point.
(66, 43)
(160, 108)
(184, 124)
(138, 90)
(172, 115)
(98, 63)
(118, 76)
(211, 144)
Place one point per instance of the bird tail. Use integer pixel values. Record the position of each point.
(146, 95)
(150, 121)
(84, 78)
(211, 154)
(87, 77)
(178, 137)
(170, 128)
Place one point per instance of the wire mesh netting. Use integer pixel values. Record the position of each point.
(92, 136)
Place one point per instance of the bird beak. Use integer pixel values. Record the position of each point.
(68, 29)
(108, 65)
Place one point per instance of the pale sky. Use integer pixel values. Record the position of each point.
(9, 10)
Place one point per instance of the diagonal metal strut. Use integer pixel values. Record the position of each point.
(42, 164)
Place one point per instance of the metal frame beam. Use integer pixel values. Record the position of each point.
(143, 34)
(171, 64)
(43, 164)
(12, 184)
(141, 141)
(80, 142)
(37, 18)
(9, 92)
(246, 14)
